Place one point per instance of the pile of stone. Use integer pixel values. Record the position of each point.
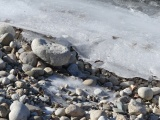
(24, 69)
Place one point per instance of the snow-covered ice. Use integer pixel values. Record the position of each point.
(91, 25)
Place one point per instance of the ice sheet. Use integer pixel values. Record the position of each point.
(91, 25)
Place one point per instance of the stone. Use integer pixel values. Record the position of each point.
(126, 84)
(13, 44)
(60, 112)
(114, 80)
(74, 70)
(6, 38)
(90, 82)
(23, 98)
(52, 53)
(48, 70)
(5, 81)
(26, 67)
(95, 114)
(28, 58)
(121, 117)
(2, 64)
(5, 28)
(35, 72)
(127, 91)
(11, 77)
(15, 96)
(10, 58)
(33, 108)
(3, 111)
(64, 118)
(20, 84)
(36, 118)
(136, 108)
(18, 111)
(74, 111)
(156, 90)
(98, 91)
(145, 92)
(102, 118)
(3, 73)
(7, 49)
(156, 111)
(80, 92)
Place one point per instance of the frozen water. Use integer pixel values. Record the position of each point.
(126, 41)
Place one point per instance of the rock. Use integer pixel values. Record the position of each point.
(3, 73)
(60, 112)
(20, 84)
(23, 98)
(98, 91)
(80, 92)
(5, 28)
(95, 114)
(36, 118)
(126, 84)
(15, 96)
(73, 58)
(74, 111)
(48, 70)
(156, 111)
(6, 38)
(11, 77)
(102, 118)
(2, 64)
(64, 118)
(35, 72)
(136, 108)
(18, 111)
(44, 98)
(108, 85)
(3, 111)
(13, 44)
(90, 82)
(26, 67)
(127, 91)
(121, 117)
(114, 80)
(10, 58)
(5, 81)
(28, 58)
(74, 70)
(145, 92)
(156, 90)
(52, 53)
(7, 49)
(34, 109)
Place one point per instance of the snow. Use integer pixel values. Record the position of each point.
(91, 25)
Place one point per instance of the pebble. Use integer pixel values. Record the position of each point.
(26, 67)
(6, 38)
(5, 28)
(5, 81)
(18, 111)
(127, 91)
(12, 78)
(98, 91)
(90, 82)
(136, 108)
(145, 92)
(48, 70)
(74, 111)
(64, 118)
(2, 64)
(95, 114)
(156, 90)
(3, 111)
(60, 112)
(28, 58)
(15, 96)
(114, 80)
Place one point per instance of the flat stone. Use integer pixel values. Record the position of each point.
(74, 111)
(52, 53)
(136, 108)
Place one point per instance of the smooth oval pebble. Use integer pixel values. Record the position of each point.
(145, 92)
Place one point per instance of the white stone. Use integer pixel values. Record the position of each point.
(52, 53)
(5, 28)
(18, 111)
(145, 92)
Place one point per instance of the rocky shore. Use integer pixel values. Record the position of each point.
(26, 66)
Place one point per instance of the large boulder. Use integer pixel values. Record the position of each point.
(18, 111)
(52, 53)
